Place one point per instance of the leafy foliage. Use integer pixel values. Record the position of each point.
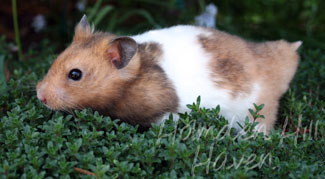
(36, 142)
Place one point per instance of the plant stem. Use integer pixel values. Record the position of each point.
(3, 85)
(15, 19)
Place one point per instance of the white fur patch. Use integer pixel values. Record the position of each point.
(186, 65)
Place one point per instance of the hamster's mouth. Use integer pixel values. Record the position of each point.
(49, 107)
(53, 107)
(68, 110)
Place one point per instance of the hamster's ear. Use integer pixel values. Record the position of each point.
(83, 29)
(296, 45)
(121, 51)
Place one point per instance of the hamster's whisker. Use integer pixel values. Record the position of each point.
(31, 90)
(71, 111)
(67, 111)
(71, 105)
(31, 85)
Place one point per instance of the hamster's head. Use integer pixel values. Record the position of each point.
(92, 72)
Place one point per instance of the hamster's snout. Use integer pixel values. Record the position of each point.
(51, 96)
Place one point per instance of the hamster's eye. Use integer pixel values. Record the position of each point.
(75, 74)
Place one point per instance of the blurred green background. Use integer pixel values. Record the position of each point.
(259, 20)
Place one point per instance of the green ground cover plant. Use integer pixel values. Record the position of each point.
(38, 143)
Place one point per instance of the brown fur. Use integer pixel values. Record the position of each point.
(138, 93)
(149, 95)
(230, 72)
(236, 64)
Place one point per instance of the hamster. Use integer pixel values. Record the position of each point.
(141, 79)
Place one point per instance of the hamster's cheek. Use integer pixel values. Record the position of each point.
(57, 99)
(61, 98)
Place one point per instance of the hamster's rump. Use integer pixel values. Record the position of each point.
(225, 70)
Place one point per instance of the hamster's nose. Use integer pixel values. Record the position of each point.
(43, 100)
(41, 97)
